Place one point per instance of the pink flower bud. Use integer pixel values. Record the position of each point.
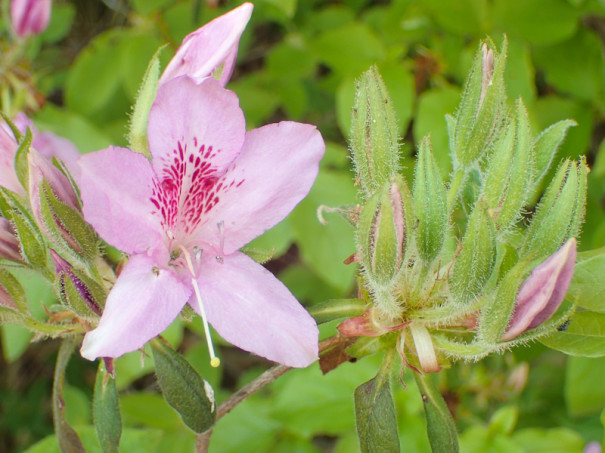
(367, 324)
(211, 48)
(64, 271)
(30, 17)
(9, 244)
(543, 291)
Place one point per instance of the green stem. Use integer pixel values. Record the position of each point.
(49, 329)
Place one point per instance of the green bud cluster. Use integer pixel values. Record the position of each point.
(452, 257)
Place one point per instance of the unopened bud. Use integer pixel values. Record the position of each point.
(429, 204)
(369, 324)
(72, 291)
(381, 234)
(374, 134)
(508, 180)
(12, 294)
(543, 291)
(30, 17)
(56, 209)
(528, 295)
(560, 213)
(9, 244)
(475, 262)
(481, 106)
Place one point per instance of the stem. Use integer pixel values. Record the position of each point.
(202, 440)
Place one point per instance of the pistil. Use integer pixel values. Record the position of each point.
(214, 360)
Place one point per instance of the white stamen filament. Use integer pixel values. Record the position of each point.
(221, 232)
(214, 360)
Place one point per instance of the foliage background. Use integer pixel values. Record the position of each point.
(298, 60)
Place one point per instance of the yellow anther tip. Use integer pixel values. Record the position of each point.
(215, 362)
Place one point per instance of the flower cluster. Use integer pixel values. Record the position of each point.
(453, 271)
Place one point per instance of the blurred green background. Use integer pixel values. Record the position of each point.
(298, 60)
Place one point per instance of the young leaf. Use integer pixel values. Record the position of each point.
(137, 135)
(440, 425)
(375, 415)
(106, 411)
(184, 389)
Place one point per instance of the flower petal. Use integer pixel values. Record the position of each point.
(250, 308)
(8, 148)
(542, 292)
(142, 303)
(116, 188)
(274, 172)
(204, 50)
(194, 121)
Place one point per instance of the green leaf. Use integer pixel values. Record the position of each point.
(558, 20)
(337, 308)
(584, 390)
(569, 71)
(376, 417)
(68, 440)
(441, 428)
(462, 17)
(587, 287)
(584, 336)
(556, 440)
(184, 389)
(106, 411)
(348, 49)
(325, 247)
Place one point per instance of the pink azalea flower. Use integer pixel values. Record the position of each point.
(210, 47)
(210, 188)
(543, 291)
(30, 17)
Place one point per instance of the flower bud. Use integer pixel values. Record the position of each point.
(543, 291)
(369, 324)
(12, 294)
(528, 295)
(480, 108)
(508, 177)
(72, 291)
(9, 244)
(56, 209)
(374, 134)
(381, 234)
(475, 262)
(8, 149)
(560, 213)
(429, 204)
(30, 17)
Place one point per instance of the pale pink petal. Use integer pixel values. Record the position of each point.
(190, 122)
(543, 291)
(274, 172)
(116, 189)
(8, 149)
(253, 310)
(143, 302)
(30, 16)
(213, 45)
